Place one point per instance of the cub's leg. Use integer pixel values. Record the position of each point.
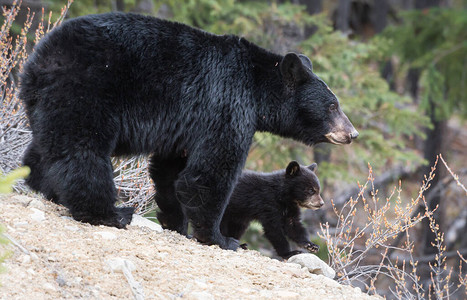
(164, 172)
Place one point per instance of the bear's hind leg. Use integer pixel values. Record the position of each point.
(84, 183)
(32, 158)
(164, 172)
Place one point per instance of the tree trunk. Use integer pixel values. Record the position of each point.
(343, 15)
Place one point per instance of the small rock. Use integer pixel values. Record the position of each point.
(20, 224)
(24, 200)
(71, 228)
(66, 218)
(31, 271)
(313, 263)
(60, 280)
(26, 259)
(117, 264)
(105, 235)
(36, 204)
(51, 259)
(140, 221)
(202, 285)
(49, 287)
(37, 215)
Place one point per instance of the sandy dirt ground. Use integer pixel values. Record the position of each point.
(55, 257)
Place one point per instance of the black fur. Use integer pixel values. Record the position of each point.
(274, 199)
(126, 84)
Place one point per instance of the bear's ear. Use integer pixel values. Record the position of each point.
(306, 61)
(313, 167)
(293, 70)
(292, 169)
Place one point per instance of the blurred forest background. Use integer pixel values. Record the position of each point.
(399, 69)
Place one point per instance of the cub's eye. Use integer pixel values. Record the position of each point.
(332, 107)
(312, 192)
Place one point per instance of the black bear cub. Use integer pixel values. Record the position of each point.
(274, 199)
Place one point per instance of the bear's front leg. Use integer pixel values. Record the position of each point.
(297, 233)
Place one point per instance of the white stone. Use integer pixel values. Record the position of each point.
(105, 235)
(118, 264)
(31, 271)
(49, 287)
(72, 228)
(26, 259)
(37, 215)
(24, 200)
(20, 224)
(36, 204)
(313, 263)
(140, 221)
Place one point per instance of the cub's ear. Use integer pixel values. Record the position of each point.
(292, 169)
(306, 61)
(293, 70)
(313, 167)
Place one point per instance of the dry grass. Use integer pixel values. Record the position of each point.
(360, 253)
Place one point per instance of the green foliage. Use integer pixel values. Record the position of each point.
(435, 42)
(259, 21)
(7, 181)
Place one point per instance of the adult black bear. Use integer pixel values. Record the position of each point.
(274, 199)
(126, 84)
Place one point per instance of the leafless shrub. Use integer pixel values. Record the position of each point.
(360, 254)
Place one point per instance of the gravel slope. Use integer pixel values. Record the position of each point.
(62, 258)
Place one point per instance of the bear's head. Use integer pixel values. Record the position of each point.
(302, 185)
(317, 116)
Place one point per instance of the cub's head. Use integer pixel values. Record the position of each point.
(302, 185)
(316, 114)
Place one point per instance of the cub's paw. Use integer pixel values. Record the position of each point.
(244, 246)
(120, 217)
(311, 247)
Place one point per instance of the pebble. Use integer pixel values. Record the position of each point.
(49, 287)
(37, 215)
(105, 235)
(20, 224)
(24, 200)
(36, 204)
(31, 271)
(117, 264)
(140, 221)
(26, 259)
(71, 228)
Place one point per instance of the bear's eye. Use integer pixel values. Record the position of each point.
(332, 107)
(312, 192)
